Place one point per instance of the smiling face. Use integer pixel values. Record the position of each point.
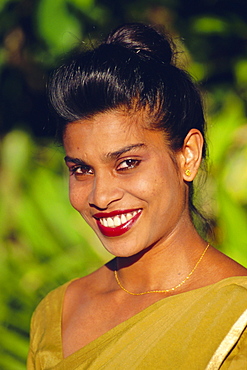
(124, 182)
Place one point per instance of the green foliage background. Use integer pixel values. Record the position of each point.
(43, 242)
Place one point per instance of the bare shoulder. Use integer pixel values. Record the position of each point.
(91, 282)
(86, 288)
(224, 266)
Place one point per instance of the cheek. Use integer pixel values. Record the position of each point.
(77, 197)
(162, 186)
(147, 188)
(74, 200)
(155, 179)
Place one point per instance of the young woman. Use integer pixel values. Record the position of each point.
(133, 128)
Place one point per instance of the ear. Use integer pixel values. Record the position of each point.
(190, 155)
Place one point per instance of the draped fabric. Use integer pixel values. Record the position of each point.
(201, 329)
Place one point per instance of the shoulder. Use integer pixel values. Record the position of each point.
(46, 320)
(89, 285)
(82, 292)
(92, 284)
(220, 266)
(50, 306)
(232, 352)
(235, 283)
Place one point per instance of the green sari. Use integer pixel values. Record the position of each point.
(201, 329)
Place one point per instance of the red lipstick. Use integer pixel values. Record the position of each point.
(116, 230)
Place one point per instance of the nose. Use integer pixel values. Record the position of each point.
(105, 191)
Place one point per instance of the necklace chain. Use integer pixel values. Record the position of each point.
(163, 290)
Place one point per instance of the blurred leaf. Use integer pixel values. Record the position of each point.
(235, 167)
(12, 340)
(84, 5)
(197, 71)
(8, 362)
(3, 3)
(234, 227)
(222, 127)
(241, 72)
(57, 26)
(210, 25)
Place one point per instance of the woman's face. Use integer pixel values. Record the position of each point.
(124, 183)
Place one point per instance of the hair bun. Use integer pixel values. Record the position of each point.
(144, 40)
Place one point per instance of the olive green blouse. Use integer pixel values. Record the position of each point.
(201, 329)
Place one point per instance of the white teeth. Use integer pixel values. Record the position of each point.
(110, 222)
(118, 220)
(123, 219)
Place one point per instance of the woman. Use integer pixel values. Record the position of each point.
(133, 128)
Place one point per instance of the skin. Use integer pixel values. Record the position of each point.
(116, 163)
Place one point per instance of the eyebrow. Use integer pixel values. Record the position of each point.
(123, 150)
(74, 160)
(111, 155)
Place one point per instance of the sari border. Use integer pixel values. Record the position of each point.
(228, 342)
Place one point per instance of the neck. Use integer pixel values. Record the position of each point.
(161, 266)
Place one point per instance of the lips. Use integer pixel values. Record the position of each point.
(116, 223)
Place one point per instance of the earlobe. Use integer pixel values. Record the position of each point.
(191, 154)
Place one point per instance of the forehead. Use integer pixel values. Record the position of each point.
(110, 131)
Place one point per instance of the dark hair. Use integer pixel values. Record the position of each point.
(133, 68)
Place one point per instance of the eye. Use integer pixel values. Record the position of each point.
(80, 171)
(128, 164)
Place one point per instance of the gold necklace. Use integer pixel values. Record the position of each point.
(163, 290)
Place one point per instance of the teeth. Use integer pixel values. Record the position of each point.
(118, 220)
(110, 222)
(129, 216)
(123, 219)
